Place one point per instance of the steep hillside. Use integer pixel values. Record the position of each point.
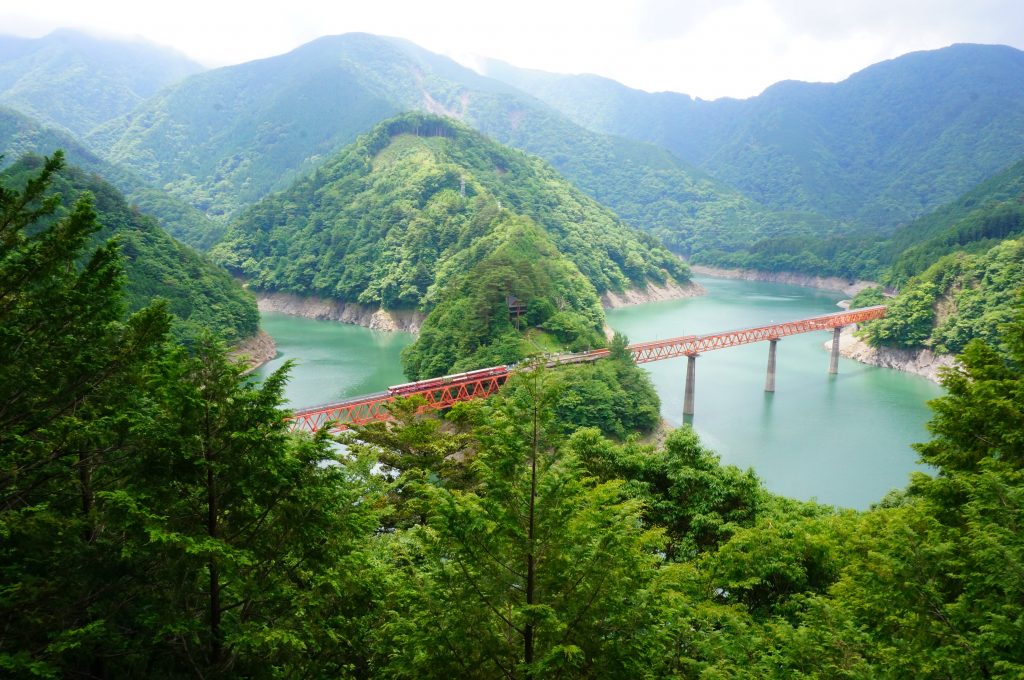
(75, 81)
(959, 298)
(223, 139)
(992, 211)
(885, 145)
(20, 135)
(408, 211)
(973, 223)
(959, 270)
(201, 295)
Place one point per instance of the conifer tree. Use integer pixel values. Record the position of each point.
(536, 572)
(67, 402)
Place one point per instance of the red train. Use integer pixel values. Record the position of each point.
(434, 383)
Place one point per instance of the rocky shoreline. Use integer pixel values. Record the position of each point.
(260, 349)
(652, 293)
(924, 362)
(373, 318)
(255, 351)
(844, 286)
(410, 321)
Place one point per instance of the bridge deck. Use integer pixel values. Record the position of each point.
(697, 344)
(448, 390)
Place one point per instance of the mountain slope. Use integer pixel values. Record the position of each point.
(973, 223)
(887, 144)
(20, 135)
(985, 215)
(404, 208)
(223, 139)
(201, 295)
(960, 297)
(75, 81)
(959, 269)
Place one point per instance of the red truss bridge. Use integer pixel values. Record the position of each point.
(690, 345)
(445, 391)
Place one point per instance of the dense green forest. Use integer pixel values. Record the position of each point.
(159, 521)
(471, 326)
(403, 208)
(958, 270)
(21, 134)
(959, 298)
(973, 223)
(201, 296)
(803, 177)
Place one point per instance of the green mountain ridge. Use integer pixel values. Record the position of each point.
(959, 298)
(402, 186)
(959, 270)
(74, 81)
(885, 145)
(223, 139)
(974, 222)
(20, 134)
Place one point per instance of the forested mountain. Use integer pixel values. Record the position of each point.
(973, 223)
(421, 208)
(200, 295)
(887, 144)
(223, 139)
(75, 81)
(959, 270)
(21, 134)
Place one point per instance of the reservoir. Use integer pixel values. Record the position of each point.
(843, 440)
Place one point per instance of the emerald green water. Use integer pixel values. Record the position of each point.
(332, 360)
(844, 440)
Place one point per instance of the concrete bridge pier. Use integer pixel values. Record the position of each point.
(769, 380)
(691, 367)
(833, 364)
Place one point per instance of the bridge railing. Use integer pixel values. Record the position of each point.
(687, 345)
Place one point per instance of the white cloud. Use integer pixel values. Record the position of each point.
(706, 48)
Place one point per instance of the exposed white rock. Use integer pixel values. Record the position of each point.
(652, 293)
(845, 286)
(345, 312)
(922, 362)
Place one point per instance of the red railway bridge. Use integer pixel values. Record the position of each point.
(445, 391)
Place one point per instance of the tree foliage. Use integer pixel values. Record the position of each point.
(156, 518)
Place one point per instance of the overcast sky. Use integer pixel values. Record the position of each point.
(705, 48)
